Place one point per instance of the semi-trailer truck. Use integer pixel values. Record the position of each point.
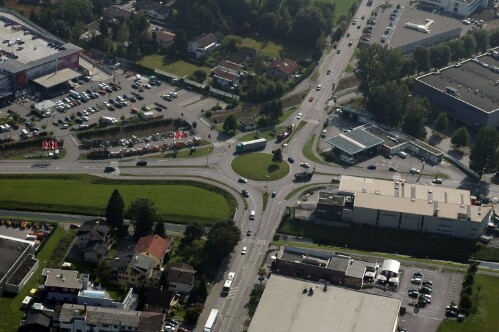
(251, 145)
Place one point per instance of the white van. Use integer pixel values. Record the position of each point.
(324, 133)
(252, 215)
(402, 154)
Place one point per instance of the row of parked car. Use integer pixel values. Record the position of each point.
(423, 294)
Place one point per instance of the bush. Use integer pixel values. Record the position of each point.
(192, 314)
(208, 114)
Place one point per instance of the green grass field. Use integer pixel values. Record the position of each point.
(89, 195)
(256, 166)
(276, 48)
(186, 153)
(486, 317)
(268, 134)
(174, 66)
(11, 313)
(341, 7)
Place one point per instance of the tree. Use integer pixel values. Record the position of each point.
(461, 137)
(142, 211)
(415, 115)
(484, 154)
(442, 122)
(199, 75)
(494, 38)
(194, 125)
(482, 40)
(193, 231)
(123, 33)
(159, 228)
(456, 49)
(199, 292)
(388, 103)
(180, 41)
(230, 123)
(439, 56)
(192, 314)
(422, 59)
(231, 43)
(308, 25)
(277, 156)
(469, 46)
(115, 211)
(221, 240)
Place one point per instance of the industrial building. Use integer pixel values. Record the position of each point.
(410, 206)
(32, 57)
(312, 306)
(461, 8)
(467, 91)
(416, 28)
(371, 138)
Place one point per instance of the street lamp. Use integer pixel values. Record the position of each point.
(267, 187)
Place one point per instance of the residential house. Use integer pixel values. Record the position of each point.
(244, 55)
(181, 278)
(153, 246)
(131, 268)
(62, 285)
(155, 10)
(85, 318)
(159, 299)
(202, 45)
(248, 123)
(282, 69)
(165, 38)
(113, 13)
(93, 240)
(91, 31)
(36, 322)
(227, 73)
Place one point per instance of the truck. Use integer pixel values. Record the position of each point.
(212, 319)
(255, 144)
(228, 282)
(285, 133)
(304, 176)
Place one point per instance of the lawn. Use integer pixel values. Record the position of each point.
(308, 153)
(341, 7)
(11, 313)
(174, 66)
(257, 166)
(382, 239)
(275, 48)
(269, 134)
(81, 194)
(486, 318)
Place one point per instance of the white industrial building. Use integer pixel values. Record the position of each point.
(414, 207)
(462, 8)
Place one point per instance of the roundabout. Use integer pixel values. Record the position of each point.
(259, 167)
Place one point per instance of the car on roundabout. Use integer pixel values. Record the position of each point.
(242, 180)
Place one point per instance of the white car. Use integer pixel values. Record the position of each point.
(243, 252)
(318, 88)
(416, 280)
(305, 165)
(85, 118)
(298, 116)
(147, 86)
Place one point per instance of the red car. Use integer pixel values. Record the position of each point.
(311, 99)
(74, 226)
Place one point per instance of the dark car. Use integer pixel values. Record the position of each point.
(291, 160)
(142, 163)
(245, 193)
(392, 169)
(371, 167)
(248, 233)
(109, 169)
(273, 194)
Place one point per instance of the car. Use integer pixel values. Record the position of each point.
(109, 169)
(305, 165)
(437, 181)
(418, 274)
(273, 194)
(427, 283)
(298, 116)
(416, 280)
(243, 252)
(392, 169)
(338, 51)
(414, 171)
(371, 167)
(85, 118)
(248, 233)
(147, 86)
(291, 160)
(426, 298)
(172, 321)
(243, 180)
(74, 226)
(354, 21)
(335, 180)
(64, 126)
(141, 163)
(350, 43)
(426, 290)
(388, 156)
(358, 27)
(79, 120)
(318, 88)
(413, 293)
(328, 72)
(245, 193)
(311, 99)
(348, 34)
(363, 17)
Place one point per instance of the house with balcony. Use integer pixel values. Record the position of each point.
(62, 285)
(131, 268)
(181, 278)
(202, 45)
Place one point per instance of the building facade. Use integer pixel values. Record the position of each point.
(461, 8)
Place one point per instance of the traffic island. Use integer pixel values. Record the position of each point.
(259, 167)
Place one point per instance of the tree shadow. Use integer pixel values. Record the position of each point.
(272, 168)
(455, 154)
(435, 139)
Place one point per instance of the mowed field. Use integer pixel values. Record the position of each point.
(486, 317)
(176, 201)
(174, 66)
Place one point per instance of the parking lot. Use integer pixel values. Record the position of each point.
(446, 287)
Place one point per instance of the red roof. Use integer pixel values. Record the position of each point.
(286, 65)
(154, 245)
(165, 36)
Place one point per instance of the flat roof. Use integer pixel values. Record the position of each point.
(355, 141)
(412, 198)
(10, 253)
(62, 278)
(57, 78)
(468, 77)
(403, 35)
(337, 309)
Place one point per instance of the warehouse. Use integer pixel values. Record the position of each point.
(462, 8)
(312, 306)
(468, 91)
(415, 207)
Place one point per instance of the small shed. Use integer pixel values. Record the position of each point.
(44, 108)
